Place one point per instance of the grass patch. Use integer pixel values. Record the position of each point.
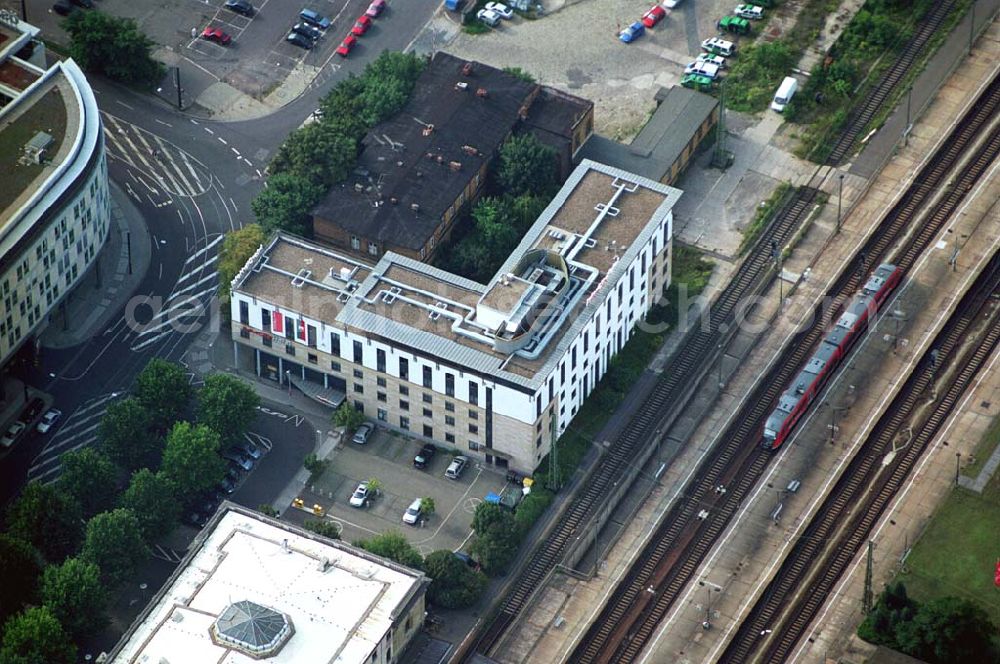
(690, 271)
(757, 73)
(984, 449)
(957, 553)
(476, 28)
(762, 217)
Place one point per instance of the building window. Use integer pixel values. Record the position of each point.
(265, 319)
(355, 242)
(404, 390)
(404, 423)
(428, 398)
(313, 359)
(359, 406)
(404, 368)
(573, 358)
(359, 388)
(449, 384)
(267, 340)
(449, 420)
(335, 344)
(473, 393)
(358, 353)
(428, 377)
(290, 348)
(335, 366)
(586, 342)
(382, 397)
(473, 428)
(473, 415)
(380, 380)
(404, 404)
(382, 415)
(380, 360)
(428, 431)
(428, 412)
(244, 312)
(373, 249)
(245, 333)
(449, 438)
(473, 445)
(358, 373)
(449, 406)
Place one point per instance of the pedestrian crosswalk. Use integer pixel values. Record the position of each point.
(79, 430)
(163, 169)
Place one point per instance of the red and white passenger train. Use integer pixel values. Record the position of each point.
(810, 381)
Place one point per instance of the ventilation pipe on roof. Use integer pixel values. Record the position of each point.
(481, 92)
(467, 69)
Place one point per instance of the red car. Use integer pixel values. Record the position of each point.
(376, 8)
(654, 16)
(345, 46)
(216, 35)
(361, 27)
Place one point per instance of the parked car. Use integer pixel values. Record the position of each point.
(632, 32)
(345, 46)
(307, 30)
(424, 456)
(250, 450)
(489, 17)
(654, 16)
(360, 496)
(216, 35)
(299, 40)
(312, 18)
(361, 26)
(86, 4)
(12, 434)
(238, 460)
(240, 7)
(670, 4)
(706, 69)
(49, 420)
(502, 10)
(228, 483)
(376, 8)
(752, 12)
(456, 467)
(412, 513)
(63, 7)
(719, 46)
(362, 433)
(696, 82)
(468, 560)
(716, 60)
(734, 24)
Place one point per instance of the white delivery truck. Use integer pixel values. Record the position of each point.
(784, 94)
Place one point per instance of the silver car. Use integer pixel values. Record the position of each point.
(362, 434)
(412, 513)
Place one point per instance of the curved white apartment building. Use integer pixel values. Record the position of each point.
(54, 205)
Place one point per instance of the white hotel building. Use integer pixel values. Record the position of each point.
(54, 205)
(489, 370)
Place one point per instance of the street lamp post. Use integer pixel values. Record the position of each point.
(288, 378)
(958, 465)
(840, 199)
(128, 246)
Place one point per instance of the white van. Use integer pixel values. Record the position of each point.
(784, 94)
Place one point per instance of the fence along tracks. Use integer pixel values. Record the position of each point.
(694, 523)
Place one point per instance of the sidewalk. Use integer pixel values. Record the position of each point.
(102, 292)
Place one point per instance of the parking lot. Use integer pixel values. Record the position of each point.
(388, 457)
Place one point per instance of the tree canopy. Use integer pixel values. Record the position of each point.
(454, 585)
(164, 390)
(228, 406)
(126, 435)
(36, 637)
(89, 478)
(191, 458)
(114, 543)
(322, 527)
(21, 565)
(113, 46)
(496, 537)
(236, 250)
(527, 166)
(46, 518)
(151, 498)
(286, 203)
(394, 546)
(73, 591)
(348, 417)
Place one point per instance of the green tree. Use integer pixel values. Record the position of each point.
(947, 630)
(150, 496)
(323, 528)
(527, 166)
(46, 518)
(348, 417)
(21, 565)
(228, 406)
(286, 203)
(164, 390)
(517, 72)
(114, 47)
(531, 509)
(89, 478)
(388, 82)
(893, 608)
(114, 543)
(318, 155)
(236, 250)
(268, 510)
(191, 459)
(394, 546)
(453, 584)
(126, 435)
(495, 543)
(36, 637)
(74, 593)
(427, 507)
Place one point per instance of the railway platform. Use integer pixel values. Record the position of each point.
(742, 562)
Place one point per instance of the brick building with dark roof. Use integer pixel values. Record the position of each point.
(418, 170)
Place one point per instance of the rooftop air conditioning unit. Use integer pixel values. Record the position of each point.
(461, 85)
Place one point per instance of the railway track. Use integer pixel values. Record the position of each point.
(727, 476)
(861, 496)
(875, 101)
(673, 387)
